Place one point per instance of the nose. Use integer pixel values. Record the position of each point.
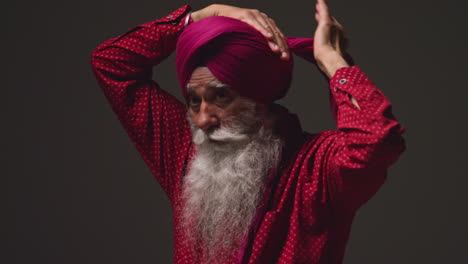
(206, 117)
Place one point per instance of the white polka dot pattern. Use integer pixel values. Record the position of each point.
(154, 120)
(330, 175)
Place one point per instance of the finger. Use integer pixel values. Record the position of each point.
(342, 39)
(274, 47)
(272, 39)
(261, 18)
(323, 11)
(343, 43)
(323, 7)
(317, 12)
(338, 24)
(279, 41)
(263, 28)
(335, 37)
(276, 39)
(279, 38)
(339, 42)
(284, 44)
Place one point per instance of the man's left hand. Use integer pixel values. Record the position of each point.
(330, 41)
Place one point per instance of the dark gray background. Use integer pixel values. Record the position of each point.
(78, 192)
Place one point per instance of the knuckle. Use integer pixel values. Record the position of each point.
(254, 11)
(248, 12)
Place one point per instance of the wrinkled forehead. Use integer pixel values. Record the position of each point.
(202, 77)
(211, 85)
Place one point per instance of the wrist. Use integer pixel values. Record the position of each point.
(330, 63)
(204, 13)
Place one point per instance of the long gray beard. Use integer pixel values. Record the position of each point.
(225, 183)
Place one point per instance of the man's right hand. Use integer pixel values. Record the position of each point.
(253, 17)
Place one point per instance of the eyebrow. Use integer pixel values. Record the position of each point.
(212, 84)
(216, 84)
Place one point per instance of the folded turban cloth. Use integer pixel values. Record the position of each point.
(238, 55)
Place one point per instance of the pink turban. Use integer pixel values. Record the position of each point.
(238, 55)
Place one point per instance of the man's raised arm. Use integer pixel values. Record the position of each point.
(368, 139)
(154, 120)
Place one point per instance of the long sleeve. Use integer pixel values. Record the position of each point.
(369, 139)
(154, 120)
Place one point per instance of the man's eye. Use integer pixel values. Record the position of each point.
(194, 100)
(221, 95)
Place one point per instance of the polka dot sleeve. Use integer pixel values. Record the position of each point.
(153, 119)
(368, 141)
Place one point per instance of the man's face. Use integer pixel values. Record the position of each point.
(214, 105)
(236, 149)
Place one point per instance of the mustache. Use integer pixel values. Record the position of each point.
(219, 136)
(234, 129)
(223, 187)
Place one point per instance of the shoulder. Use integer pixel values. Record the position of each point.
(315, 147)
(312, 139)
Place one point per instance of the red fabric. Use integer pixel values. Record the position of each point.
(321, 181)
(238, 55)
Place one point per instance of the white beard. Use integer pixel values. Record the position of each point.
(225, 183)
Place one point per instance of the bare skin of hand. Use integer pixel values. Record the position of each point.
(330, 41)
(259, 20)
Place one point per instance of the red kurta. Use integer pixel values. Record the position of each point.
(322, 179)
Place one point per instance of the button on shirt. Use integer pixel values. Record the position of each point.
(323, 179)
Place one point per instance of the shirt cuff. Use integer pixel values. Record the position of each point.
(176, 16)
(188, 19)
(347, 79)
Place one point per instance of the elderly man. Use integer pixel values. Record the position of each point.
(246, 184)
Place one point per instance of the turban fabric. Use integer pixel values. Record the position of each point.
(238, 55)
